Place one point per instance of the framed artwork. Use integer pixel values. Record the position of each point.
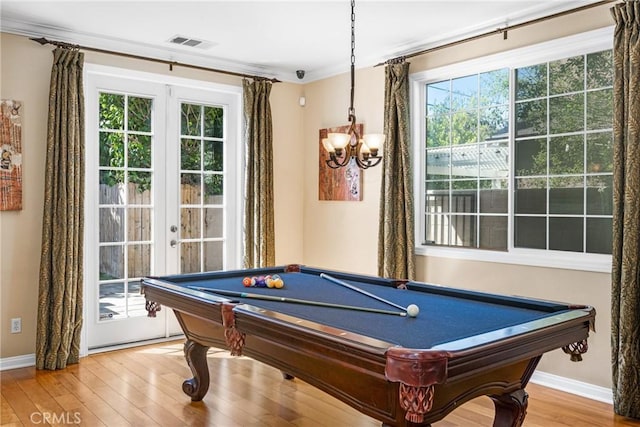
(11, 151)
(343, 183)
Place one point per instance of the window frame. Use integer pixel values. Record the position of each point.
(578, 44)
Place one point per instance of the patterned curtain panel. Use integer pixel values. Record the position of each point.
(60, 292)
(259, 234)
(396, 230)
(625, 296)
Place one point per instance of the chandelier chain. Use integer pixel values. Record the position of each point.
(352, 111)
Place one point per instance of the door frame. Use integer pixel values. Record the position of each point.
(235, 196)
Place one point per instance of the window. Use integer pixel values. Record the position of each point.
(517, 154)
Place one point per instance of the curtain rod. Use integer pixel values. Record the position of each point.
(43, 41)
(496, 31)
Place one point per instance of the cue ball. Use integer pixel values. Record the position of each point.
(413, 310)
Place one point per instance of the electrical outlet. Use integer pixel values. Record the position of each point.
(16, 325)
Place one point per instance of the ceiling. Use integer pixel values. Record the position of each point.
(269, 38)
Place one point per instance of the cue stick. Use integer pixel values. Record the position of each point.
(362, 291)
(295, 301)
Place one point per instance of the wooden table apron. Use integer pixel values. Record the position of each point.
(395, 385)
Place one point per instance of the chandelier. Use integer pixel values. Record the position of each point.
(343, 147)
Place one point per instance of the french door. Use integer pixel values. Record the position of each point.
(162, 194)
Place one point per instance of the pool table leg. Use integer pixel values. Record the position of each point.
(510, 408)
(196, 355)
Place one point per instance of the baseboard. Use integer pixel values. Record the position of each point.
(568, 385)
(557, 382)
(16, 362)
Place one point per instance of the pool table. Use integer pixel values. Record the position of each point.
(398, 369)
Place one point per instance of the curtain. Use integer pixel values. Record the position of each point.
(396, 230)
(60, 289)
(625, 295)
(259, 234)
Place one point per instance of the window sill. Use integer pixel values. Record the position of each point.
(549, 259)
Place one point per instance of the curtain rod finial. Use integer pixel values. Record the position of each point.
(41, 40)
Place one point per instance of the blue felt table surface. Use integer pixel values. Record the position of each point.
(442, 318)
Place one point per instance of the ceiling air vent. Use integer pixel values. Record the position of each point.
(186, 41)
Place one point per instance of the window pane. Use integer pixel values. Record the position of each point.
(190, 154)
(531, 118)
(437, 197)
(600, 69)
(531, 157)
(566, 155)
(111, 224)
(566, 113)
(438, 130)
(190, 223)
(494, 123)
(213, 256)
(600, 109)
(464, 127)
(493, 232)
(530, 232)
(213, 156)
(438, 163)
(463, 230)
(531, 196)
(139, 260)
(599, 236)
(600, 152)
(566, 75)
(566, 195)
(213, 121)
(111, 262)
(190, 120)
(566, 234)
(111, 114)
(139, 151)
(494, 87)
(139, 118)
(463, 196)
(112, 149)
(494, 196)
(600, 195)
(464, 161)
(438, 97)
(464, 93)
(190, 257)
(494, 160)
(531, 82)
(437, 229)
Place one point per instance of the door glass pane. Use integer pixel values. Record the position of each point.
(202, 230)
(600, 152)
(531, 118)
(531, 196)
(599, 69)
(463, 230)
(566, 75)
(494, 196)
(111, 224)
(112, 301)
(136, 301)
(531, 157)
(190, 257)
(600, 109)
(566, 113)
(213, 256)
(125, 203)
(566, 155)
(531, 82)
(111, 262)
(600, 195)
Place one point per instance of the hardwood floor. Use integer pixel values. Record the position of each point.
(142, 386)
